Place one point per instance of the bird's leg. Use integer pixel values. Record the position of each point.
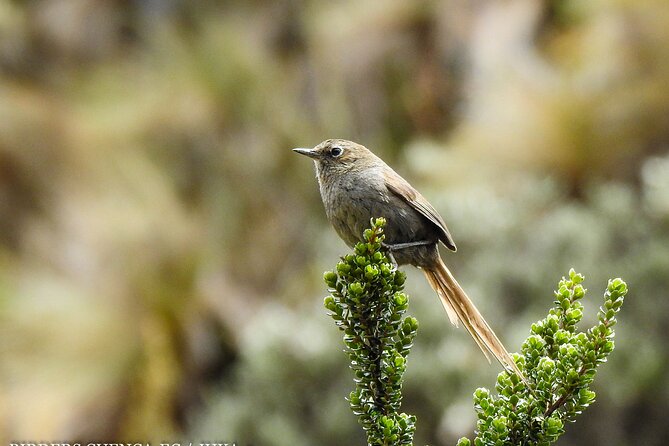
(397, 246)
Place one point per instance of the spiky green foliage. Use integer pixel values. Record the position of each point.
(367, 304)
(560, 363)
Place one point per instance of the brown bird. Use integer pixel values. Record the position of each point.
(356, 186)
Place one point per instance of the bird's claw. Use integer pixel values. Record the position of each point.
(393, 262)
(389, 253)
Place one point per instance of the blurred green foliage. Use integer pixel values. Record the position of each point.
(160, 247)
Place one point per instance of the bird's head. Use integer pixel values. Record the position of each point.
(339, 155)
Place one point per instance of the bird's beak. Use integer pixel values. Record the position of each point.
(311, 153)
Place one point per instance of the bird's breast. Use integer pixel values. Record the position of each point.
(352, 200)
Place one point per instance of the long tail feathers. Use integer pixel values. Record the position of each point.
(460, 308)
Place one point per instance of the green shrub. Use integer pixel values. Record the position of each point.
(367, 304)
(559, 361)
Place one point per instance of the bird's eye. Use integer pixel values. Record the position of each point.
(336, 151)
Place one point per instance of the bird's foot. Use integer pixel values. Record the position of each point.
(391, 257)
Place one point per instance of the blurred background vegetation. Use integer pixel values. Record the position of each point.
(162, 249)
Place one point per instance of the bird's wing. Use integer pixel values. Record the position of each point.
(400, 187)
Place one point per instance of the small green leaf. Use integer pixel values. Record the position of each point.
(330, 278)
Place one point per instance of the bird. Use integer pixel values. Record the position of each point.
(356, 186)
